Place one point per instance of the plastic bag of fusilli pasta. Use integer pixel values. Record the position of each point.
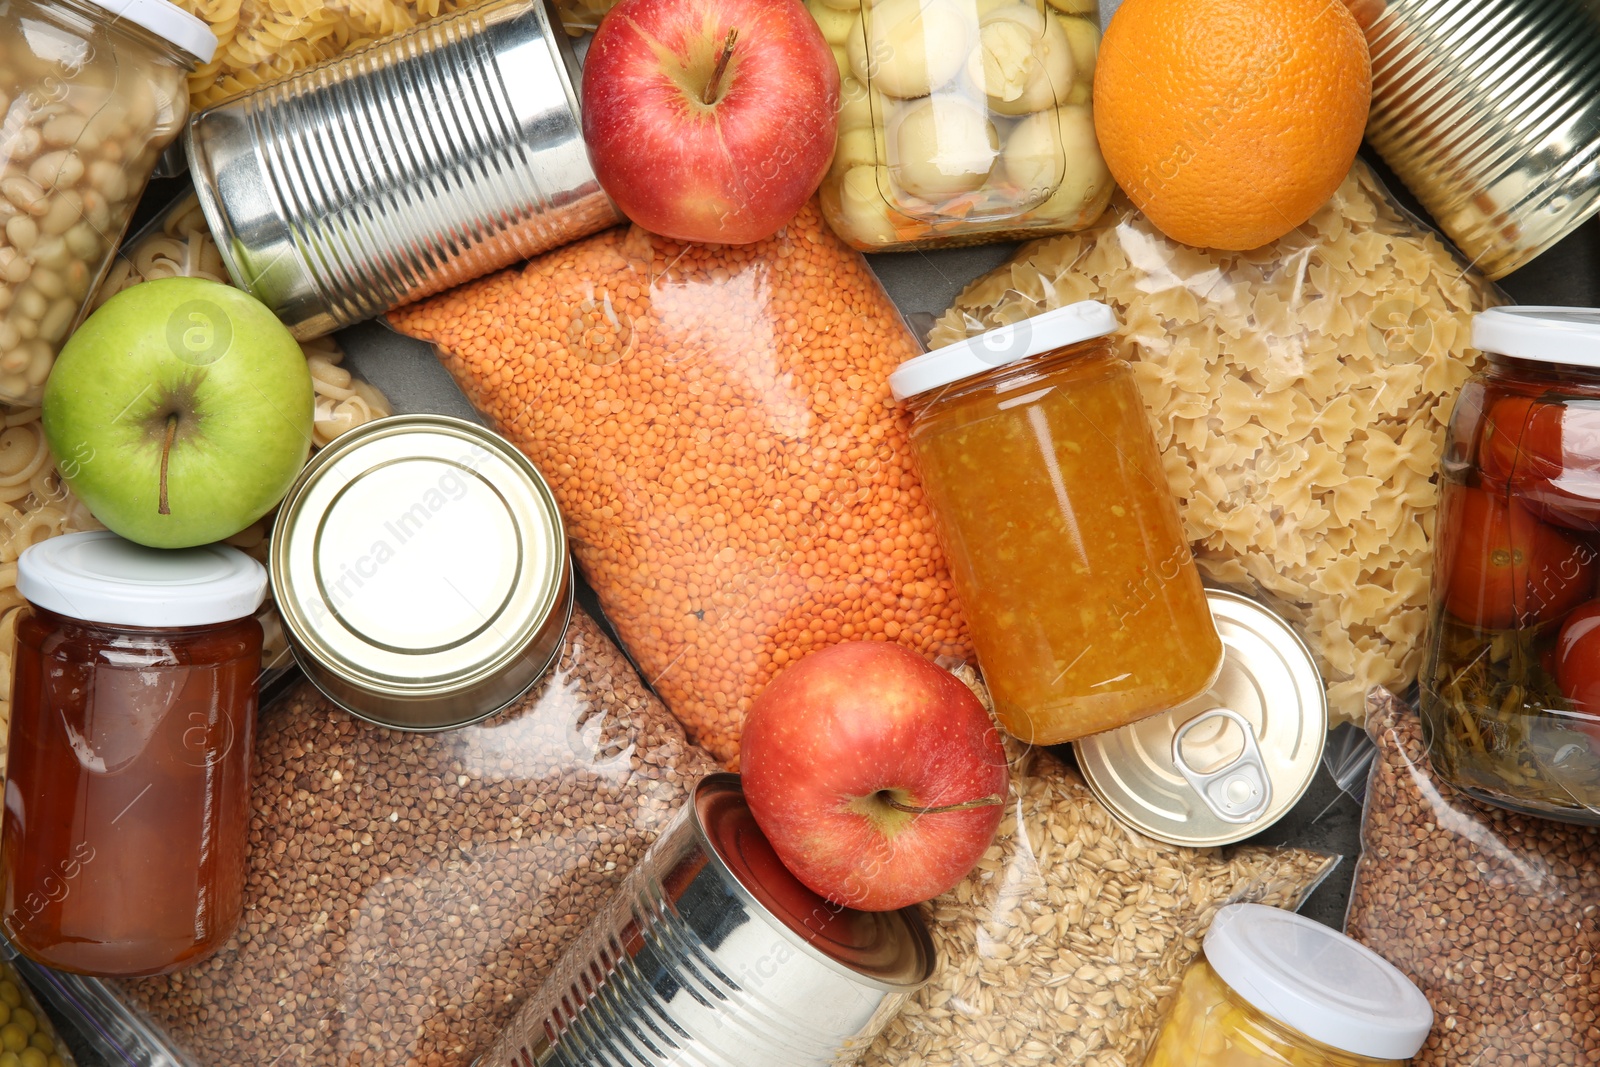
(260, 41)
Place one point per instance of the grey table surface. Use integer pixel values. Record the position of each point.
(923, 284)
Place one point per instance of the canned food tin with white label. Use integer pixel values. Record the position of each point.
(1231, 762)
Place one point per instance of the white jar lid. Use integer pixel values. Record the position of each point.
(1029, 337)
(1316, 980)
(169, 22)
(1548, 334)
(99, 577)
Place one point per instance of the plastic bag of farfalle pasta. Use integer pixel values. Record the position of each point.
(260, 41)
(1300, 394)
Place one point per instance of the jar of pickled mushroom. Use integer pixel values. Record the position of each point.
(1510, 686)
(1275, 989)
(962, 121)
(1065, 546)
(133, 707)
(95, 89)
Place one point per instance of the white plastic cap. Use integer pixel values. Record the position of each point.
(1317, 981)
(1053, 329)
(99, 577)
(1548, 334)
(169, 22)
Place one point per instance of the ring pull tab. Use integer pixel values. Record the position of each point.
(1237, 792)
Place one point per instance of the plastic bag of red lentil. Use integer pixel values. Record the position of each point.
(717, 425)
(405, 891)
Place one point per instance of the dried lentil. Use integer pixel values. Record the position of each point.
(406, 891)
(1066, 943)
(1492, 913)
(717, 426)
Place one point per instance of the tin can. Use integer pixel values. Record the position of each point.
(1233, 761)
(400, 169)
(420, 566)
(1489, 111)
(712, 953)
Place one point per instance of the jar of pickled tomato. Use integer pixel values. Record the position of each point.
(1046, 485)
(132, 715)
(1510, 685)
(1275, 989)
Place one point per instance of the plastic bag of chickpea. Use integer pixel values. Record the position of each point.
(717, 426)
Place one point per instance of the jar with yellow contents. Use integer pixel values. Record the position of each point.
(1274, 989)
(1065, 546)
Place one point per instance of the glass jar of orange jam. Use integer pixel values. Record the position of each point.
(1065, 546)
(132, 716)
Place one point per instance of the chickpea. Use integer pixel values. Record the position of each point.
(33, 1057)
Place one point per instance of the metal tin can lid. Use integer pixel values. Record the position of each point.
(418, 557)
(1231, 762)
(887, 949)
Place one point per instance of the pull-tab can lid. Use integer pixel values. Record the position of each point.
(1268, 683)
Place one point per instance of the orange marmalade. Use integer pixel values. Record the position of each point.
(1064, 541)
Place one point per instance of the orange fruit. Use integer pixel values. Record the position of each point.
(1229, 122)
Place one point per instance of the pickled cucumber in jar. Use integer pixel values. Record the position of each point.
(962, 121)
(1275, 989)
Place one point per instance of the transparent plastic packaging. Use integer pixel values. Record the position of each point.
(405, 891)
(1510, 693)
(1082, 597)
(962, 121)
(717, 427)
(94, 101)
(24, 1025)
(1490, 912)
(260, 41)
(1299, 394)
(1066, 944)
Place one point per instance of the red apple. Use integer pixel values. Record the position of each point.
(710, 120)
(877, 776)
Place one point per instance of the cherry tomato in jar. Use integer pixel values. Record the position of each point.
(1501, 567)
(1577, 667)
(1546, 454)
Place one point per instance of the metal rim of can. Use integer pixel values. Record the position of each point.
(911, 956)
(461, 669)
(1269, 677)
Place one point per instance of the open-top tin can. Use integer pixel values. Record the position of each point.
(1234, 760)
(420, 566)
(713, 955)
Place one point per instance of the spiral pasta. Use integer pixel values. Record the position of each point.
(260, 41)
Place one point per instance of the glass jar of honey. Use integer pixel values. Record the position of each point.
(1510, 681)
(1275, 989)
(1065, 545)
(133, 710)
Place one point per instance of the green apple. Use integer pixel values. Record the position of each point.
(180, 412)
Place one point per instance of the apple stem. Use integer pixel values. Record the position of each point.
(710, 95)
(166, 452)
(911, 809)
